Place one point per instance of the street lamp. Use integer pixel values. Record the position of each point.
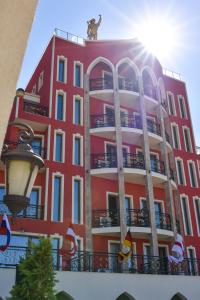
(22, 166)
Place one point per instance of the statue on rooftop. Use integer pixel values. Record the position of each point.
(92, 28)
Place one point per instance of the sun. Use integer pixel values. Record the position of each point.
(158, 35)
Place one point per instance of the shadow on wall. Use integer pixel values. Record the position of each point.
(125, 296)
(63, 296)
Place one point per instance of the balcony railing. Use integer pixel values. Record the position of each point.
(37, 149)
(163, 221)
(134, 161)
(111, 218)
(125, 84)
(173, 175)
(131, 121)
(150, 91)
(36, 109)
(157, 166)
(31, 212)
(103, 160)
(153, 127)
(137, 264)
(101, 84)
(167, 137)
(106, 120)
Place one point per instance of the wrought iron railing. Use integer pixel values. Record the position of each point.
(167, 137)
(101, 84)
(163, 221)
(37, 149)
(150, 91)
(131, 121)
(111, 218)
(36, 109)
(153, 127)
(125, 84)
(103, 160)
(105, 120)
(31, 212)
(157, 166)
(134, 161)
(13, 254)
(139, 264)
(69, 36)
(172, 174)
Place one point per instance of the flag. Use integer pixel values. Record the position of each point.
(5, 230)
(70, 236)
(126, 248)
(178, 249)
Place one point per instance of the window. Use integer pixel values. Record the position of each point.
(40, 80)
(175, 136)
(78, 115)
(78, 74)
(192, 263)
(2, 192)
(77, 201)
(182, 107)
(171, 104)
(77, 155)
(192, 173)
(36, 144)
(186, 215)
(62, 69)
(59, 107)
(180, 171)
(57, 198)
(59, 147)
(187, 139)
(33, 211)
(197, 212)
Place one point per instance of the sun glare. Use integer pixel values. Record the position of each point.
(158, 36)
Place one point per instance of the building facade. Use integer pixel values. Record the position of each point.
(116, 135)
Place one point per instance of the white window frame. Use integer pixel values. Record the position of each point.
(77, 62)
(162, 202)
(184, 107)
(173, 103)
(189, 138)
(195, 256)
(80, 179)
(78, 135)
(114, 144)
(189, 214)
(195, 173)
(79, 98)
(59, 131)
(39, 188)
(40, 80)
(58, 174)
(195, 211)
(42, 139)
(178, 136)
(63, 58)
(183, 170)
(64, 94)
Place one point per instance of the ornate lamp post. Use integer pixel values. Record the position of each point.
(22, 166)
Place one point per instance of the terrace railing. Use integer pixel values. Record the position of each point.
(36, 109)
(105, 120)
(101, 84)
(158, 166)
(125, 84)
(134, 161)
(153, 127)
(103, 160)
(163, 221)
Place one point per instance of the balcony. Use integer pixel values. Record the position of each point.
(111, 218)
(128, 92)
(163, 221)
(158, 172)
(151, 98)
(173, 178)
(126, 85)
(36, 109)
(157, 166)
(137, 264)
(102, 88)
(153, 127)
(31, 212)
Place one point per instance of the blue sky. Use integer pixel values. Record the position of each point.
(120, 18)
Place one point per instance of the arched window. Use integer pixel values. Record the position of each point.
(127, 78)
(125, 296)
(178, 296)
(148, 85)
(63, 296)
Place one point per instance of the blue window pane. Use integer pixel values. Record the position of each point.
(77, 204)
(2, 192)
(77, 118)
(37, 145)
(58, 147)
(77, 156)
(59, 115)
(57, 198)
(61, 70)
(32, 210)
(78, 75)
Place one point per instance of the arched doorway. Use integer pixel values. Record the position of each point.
(178, 296)
(125, 296)
(63, 296)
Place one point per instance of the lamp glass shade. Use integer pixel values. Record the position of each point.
(32, 180)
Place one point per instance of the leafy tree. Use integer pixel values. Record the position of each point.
(36, 277)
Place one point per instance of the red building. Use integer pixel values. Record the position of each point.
(116, 135)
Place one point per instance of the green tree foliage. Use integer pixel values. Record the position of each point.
(36, 277)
